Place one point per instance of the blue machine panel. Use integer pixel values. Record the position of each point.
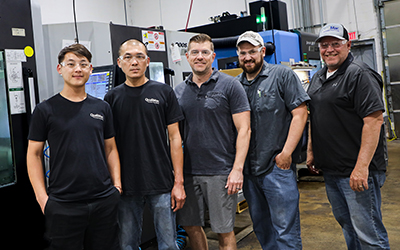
(286, 46)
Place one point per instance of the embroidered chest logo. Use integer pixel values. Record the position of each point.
(97, 116)
(335, 84)
(152, 101)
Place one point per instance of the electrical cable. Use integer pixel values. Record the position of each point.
(390, 121)
(181, 237)
(44, 152)
(76, 26)
(48, 157)
(190, 11)
(126, 16)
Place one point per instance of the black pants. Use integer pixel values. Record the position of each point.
(83, 225)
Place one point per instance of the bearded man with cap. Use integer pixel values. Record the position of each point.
(278, 116)
(347, 139)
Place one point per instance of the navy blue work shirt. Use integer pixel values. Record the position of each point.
(273, 94)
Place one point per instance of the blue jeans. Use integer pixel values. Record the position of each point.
(273, 201)
(131, 220)
(358, 213)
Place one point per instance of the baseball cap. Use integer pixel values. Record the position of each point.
(252, 37)
(335, 30)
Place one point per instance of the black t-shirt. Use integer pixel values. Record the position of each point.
(141, 116)
(337, 108)
(75, 132)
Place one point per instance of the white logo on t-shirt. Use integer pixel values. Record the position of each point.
(152, 100)
(97, 116)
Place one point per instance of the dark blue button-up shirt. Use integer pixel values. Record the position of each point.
(273, 94)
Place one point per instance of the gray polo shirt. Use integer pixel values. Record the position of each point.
(273, 94)
(209, 134)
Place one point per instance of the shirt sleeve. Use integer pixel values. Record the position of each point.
(38, 127)
(238, 98)
(293, 93)
(174, 112)
(109, 131)
(368, 94)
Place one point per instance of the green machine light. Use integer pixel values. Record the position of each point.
(263, 17)
(258, 19)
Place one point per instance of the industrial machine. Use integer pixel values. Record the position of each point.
(269, 19)
(22, 218)
(264, 15)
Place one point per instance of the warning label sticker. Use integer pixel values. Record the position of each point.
(154, 40)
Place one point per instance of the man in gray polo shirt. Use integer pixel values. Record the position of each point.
(216, 134)
(278, 117)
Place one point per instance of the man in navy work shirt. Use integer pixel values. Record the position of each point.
(81, 202)
(216, 133)
(278, 117)
(347, 139)
(146, 115)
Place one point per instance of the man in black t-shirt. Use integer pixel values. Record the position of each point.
(146, 115)
(347, 139)
(81, 202)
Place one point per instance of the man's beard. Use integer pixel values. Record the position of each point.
(255, 68)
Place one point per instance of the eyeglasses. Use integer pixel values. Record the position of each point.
(250, 52)
(73, 65)
(205, 53)
(129, 58)
(334, 45)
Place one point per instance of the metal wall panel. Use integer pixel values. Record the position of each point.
(392, 39)
(394, 67)
(396, 97)
(392, 16)
(391, 35)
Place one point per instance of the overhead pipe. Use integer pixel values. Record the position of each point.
(321, 13)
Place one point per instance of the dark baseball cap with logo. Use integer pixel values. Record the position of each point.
(334, 30)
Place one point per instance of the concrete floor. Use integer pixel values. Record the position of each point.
(319, 228)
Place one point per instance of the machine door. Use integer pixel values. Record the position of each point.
(7, 167)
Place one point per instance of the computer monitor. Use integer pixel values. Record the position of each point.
(101, 81)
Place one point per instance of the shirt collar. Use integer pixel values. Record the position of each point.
(340, 70)
(213, 77)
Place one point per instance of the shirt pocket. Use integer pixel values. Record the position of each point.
(213, 99)
(266, 100)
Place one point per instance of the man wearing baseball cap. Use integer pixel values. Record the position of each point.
(278, 117)
(347, 140)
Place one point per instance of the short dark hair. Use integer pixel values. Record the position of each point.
(201, 38)
(78, 49)
(131, 41)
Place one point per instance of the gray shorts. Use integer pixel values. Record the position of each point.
(208, 190)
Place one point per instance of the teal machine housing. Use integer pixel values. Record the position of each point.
(287, 47)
